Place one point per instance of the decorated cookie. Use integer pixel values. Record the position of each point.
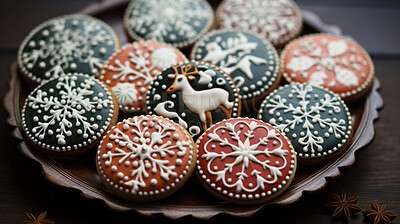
(195, 95)
(130, 71)
(67, 115)
(245, 161)
(279, 21)
(329, 61)
(176, 22)
(252, 62)
(146, 158)
(316, 120)
(67, 44)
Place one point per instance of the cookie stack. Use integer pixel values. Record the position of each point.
(156, 117)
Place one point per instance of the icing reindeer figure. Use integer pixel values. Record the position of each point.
(200, 102)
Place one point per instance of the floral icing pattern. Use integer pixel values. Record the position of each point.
(278, 21)
(130, 71)
(67, 113)
(329, 61)
(317, 122)
(245, 159)
(176, 22)
(68, 44)
(145, 156)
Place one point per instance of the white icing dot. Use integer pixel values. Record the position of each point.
(114, 168)
(153, 182)
(175, 136)
(98, 117)
(120, 175)
(109, 145)
(178, 162)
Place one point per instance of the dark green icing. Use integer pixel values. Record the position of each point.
(168, 21)
(76, 97)
(69, 44)
(157, 96)
(251, 61)
(313, 111)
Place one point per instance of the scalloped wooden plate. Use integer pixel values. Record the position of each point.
(192, 200)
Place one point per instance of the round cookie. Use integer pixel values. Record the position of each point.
(67, 44)
(279, 21)
(317, 121)
(130, 71)
(145, 158)
(195, 95)
(176, 22)
(251, 61)
(245, 161)
(68, 115)
(329, 61)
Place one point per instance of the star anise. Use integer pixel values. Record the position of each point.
(379, 215)
(40, 220)
(344, 207)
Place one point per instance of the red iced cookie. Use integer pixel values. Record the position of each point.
(130, 71)
(145, 158)
(245, 161)
(329, 61)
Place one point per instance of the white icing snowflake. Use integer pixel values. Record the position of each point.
(317, 60)
(307, 116)
(164, 57)
(274, 19)
(245, 153)
(126, 93)
(159, 20)
(64, 46)
(148, 148)
(67, 111)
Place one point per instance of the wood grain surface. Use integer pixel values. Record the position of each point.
(375, 175)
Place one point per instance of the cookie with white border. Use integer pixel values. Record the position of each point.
(176, 22)
(195, 95)
(317, 121)
(145, 158)
(245, 161)
(251, 61)
(279, 21)
(130, 71)
(68, 44)
(68, 115)
(330, 61)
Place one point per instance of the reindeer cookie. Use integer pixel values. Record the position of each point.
(251, 61)
(333, 62)
(145, 158)
(195, 95)
(67, 44)
(130, 71)
(245, 161)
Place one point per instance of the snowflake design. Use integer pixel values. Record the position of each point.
(126, 93)
(147, 151)
(274, 19)
(164, 57)
(63, 113)
(319, 59)
(68, 44)
(168, 21)
(242, 153)
(313, 116)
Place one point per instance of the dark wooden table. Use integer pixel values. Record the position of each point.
(375, 175)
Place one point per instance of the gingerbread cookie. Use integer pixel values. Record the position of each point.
(176, 22)
(68, 115)
(251, 61)
(329, 61)
(195, 95)
(67, 44)
(279, 21)
(145, 158)
(317, 121)
(245, 161)
(130, 71)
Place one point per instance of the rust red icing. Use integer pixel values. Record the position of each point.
(244, 159)
(145, 156)
(329, 61)
(130, 71)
